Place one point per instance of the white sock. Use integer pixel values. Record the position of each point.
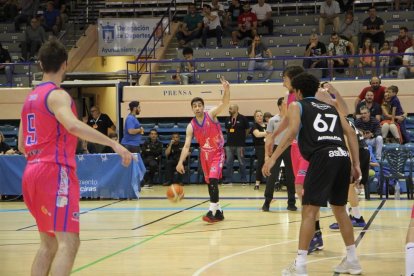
(347, 210)
(355, 212)
(351, 253)
(213, 207)
(301, 257)
(409, 258)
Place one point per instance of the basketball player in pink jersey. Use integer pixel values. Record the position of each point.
(48, 134)
(207, 131)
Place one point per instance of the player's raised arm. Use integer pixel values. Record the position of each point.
(225, 100)
(186, 149)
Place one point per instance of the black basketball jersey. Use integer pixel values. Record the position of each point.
(360, 137)
(321, 128)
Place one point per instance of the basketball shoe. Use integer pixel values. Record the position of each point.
(295, 270)
(358, 222)
(316, 242)
(353, 268)
(210, 218)
(219, 216)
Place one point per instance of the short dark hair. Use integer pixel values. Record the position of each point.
(280, 101)
(188, 51)
(372, 8)
(133, 104)
(393, 88)
(52, 55)
(153, 129)
(404, 28)
(292, 71)
(307, 83)
(334, 34)
(197, 99)
(207, 6)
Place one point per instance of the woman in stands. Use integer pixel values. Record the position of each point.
(367, 61)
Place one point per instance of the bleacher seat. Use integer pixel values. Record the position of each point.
(9, 130)
(148, 126)
(11, 141)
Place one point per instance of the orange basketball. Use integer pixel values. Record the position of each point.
(175, 192)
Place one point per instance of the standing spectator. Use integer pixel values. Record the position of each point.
(257, 52)
(173, 152)
(101, 121)
(372, 131)
(400, 44)
(246, 25)
(349, 29)
(133, 129)
(315, 49)
(374, 108)
(259, 133)
(367, 61)
(6, 69)
(384, 58)
(28, 9)
(35, 36)
(272, 126)
(263, 13)
(237, 127)
(185, 71)
(51, 18)
(211, 27)
(376, 87)
(191, 26)
(4, 147)
(373, 27)
(151, 154)
(340, 47)
(329, 14)
(407, 70)
(233, 13)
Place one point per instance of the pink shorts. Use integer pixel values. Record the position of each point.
(51, 193)
(412, 212)
(299, 165)
(212, 164)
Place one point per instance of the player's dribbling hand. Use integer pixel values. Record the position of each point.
(180, 168)
(267, 166)
(124, 153)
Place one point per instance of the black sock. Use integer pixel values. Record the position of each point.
(213, 190)
(317, 226)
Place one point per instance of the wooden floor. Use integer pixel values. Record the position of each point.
(152, 236)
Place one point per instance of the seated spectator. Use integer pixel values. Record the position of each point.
(28, 9)
(233, 12)
(191, 26)
(315, 49)
(35, 36)
(108, 149)
(400, 44)
(384, 59)
(346, 7)
(390, 129)
(185, 71)
(151, 154)
(349, 29)
(4, 147)
(257, 51)
(173, 152)
(6, 69)
(212, 26)
(51, 18)
(367, 61)
(340, 47)
(329, 14)
(263, 13)
(407, 70)
(408, 4)
(376, 87)
(246, 25)
(219, 8)
(373, 27)
(400, 115)
(372, 131)
(368, 102)
(10, 10)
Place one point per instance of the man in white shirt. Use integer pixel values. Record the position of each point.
(263, 13)
(329, 14)
(212, 26)
(407, 70)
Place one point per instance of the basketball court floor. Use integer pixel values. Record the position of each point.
(152, 236)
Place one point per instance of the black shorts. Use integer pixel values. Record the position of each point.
(327, 178)
(364, 159)
(248, 33)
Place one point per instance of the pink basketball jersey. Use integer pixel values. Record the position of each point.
(208, 134)
(45, 139)
(291, 98)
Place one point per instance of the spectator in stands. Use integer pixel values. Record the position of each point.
(219, 8)
(329, 14)
(376, 87)
(151, 154)
(246, 25)
(407, 2)
(367, 61)
(108, 149)
(259, 133)
(6, 69)
(51, 18)
(4, 147)
(233, 13)
(10, 10)
(133, 130)
(346, 7)
(263, 13)
(237, 128)
(35, 36)
(384, 59)
(212, 26)
(374, 108)
(191, 26)
(257, 52)
(373, 27)
(102, 123)
(372, 131)
(407, 70)
(390, 129)
(400, 44)
(64, 16)
(172, 153)
(185, 71)
(340, 47)
(28, 9)
(349, 29)
(315, 49)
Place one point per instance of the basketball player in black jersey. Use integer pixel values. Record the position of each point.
(321, 129)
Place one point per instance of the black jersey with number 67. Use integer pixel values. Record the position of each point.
(321, 127)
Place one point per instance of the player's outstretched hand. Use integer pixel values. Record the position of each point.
(267, 166)
(124, 153)
(180, 168)
(225, 83)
